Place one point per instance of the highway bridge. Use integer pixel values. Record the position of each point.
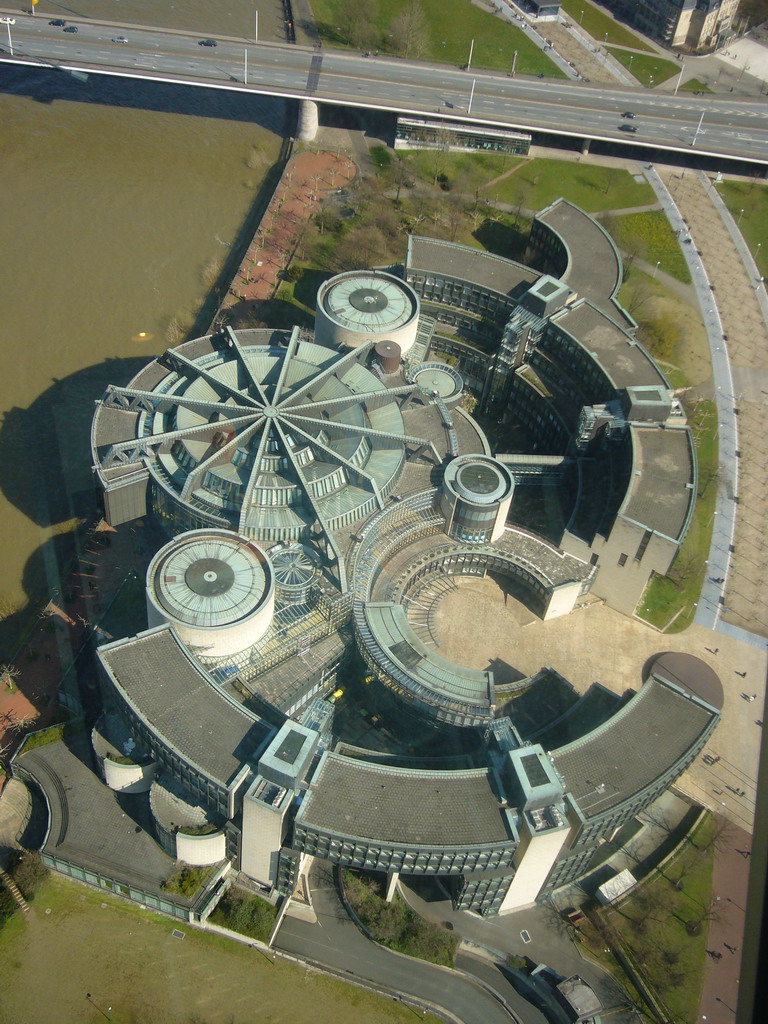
(730, 127)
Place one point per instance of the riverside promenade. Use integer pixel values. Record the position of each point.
(308, 178)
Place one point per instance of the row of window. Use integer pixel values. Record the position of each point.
(432, 862)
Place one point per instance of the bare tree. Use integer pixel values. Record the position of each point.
(358, 18)
(410, 32)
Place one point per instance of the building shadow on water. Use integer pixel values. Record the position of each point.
(45, 467)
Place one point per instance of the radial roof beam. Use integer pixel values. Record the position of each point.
(173, 360)
(220, 455)
(256, 470)
(335, 457)
(237, 348)
(133, 449)
(346, 359)
(289, 354)
(369, 397)
(384, 435)
(342, 574)
(152, 401)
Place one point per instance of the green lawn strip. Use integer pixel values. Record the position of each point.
(140, 933)
(752, 198)
(649, 69)
(589, 186)
(664, 924)
(452, 25)
(670, 601)
(597, 23)
(695, 85)
(394, 924)
(652, 232)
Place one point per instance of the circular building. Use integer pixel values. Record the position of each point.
(260, 432)
(477, 491)
(296, 569)
(215, 588)
(362, 306)
(438, 380)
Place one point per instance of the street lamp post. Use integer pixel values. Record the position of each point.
(680, 77)
(471, 96)
(631, 58)
(698, 129)
(741, 214)
(656, 268)
(469, 59)
(8, 22)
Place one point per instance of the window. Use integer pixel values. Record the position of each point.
(623, 559)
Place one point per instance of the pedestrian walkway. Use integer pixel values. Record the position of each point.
(735, 317)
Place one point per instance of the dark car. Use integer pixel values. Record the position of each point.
(71, 28)
(207, 42)
(627, 113)
(57, 22)
(627, 128)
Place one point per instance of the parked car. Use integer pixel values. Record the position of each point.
(207, 42)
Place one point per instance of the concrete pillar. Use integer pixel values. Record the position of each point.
(392, 879)
(308, 120)
(585, 145)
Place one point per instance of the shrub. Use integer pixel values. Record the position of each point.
(28, 872)
(186, 881)
(245, 913)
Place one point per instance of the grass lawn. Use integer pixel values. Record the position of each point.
(694, 85)
(670, 601)
(648, 69)
(653, 232)
(466, 172)
(134, 969)
(664, 924)
(453, 24)
(752, 198)
(596, 22)
(589, 186)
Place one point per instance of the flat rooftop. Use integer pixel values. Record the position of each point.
(447, 259)
(159, 679)
(625, 360)
(632, 749)
(663, 485)
(354, 798)
(594, 270)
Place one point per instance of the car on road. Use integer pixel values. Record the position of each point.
(71, 28)
(207, 42)
(57, 23)
(119, 39)
(628, 113)
(628, 128)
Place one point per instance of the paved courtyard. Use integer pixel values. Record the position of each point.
(598, 645)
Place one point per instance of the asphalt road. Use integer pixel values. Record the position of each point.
(723, 126)
(336, 942)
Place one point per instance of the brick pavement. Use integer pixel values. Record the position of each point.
(307, 179)
(746, 599)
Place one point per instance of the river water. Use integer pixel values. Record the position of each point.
(120, 203)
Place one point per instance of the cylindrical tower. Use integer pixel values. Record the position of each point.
(477, 491)
(362, 306)
(215, 588)
(296, 568)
